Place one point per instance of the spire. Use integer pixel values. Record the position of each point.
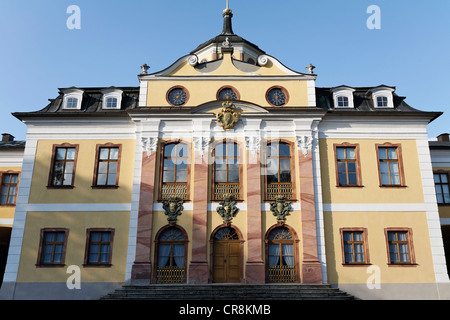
(227, 15)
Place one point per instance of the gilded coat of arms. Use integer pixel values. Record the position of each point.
(228, 116)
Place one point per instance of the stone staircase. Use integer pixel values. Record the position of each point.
(228, 292)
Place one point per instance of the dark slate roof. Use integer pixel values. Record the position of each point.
(362, 100)
(91, 103)
(439, 145)
(12, 145)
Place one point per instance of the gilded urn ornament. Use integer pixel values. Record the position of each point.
(280, 208)
(227, 209)
(172, 208)
(228, 116)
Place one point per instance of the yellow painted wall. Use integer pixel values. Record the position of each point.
(7, 212)
(375, 222)
(371, 192)
(83, 192)
(77, 222)
(201, 92)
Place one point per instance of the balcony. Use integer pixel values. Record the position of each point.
(171, 190)
(221, 190)
(277, 189)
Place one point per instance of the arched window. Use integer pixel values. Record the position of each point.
(174, 171)
(281, 256)
(171, 257)
(226, 170)
(278, 173)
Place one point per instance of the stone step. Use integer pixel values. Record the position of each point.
(228, 292)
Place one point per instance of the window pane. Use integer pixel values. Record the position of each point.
(347, 236)
(272, 150)
(169, 164)
(234, 167)
(285, 164)
(104, 154)
(285, 176)
(272, 167)
(272, 178)
(70, 154)
(67, 179)
(221, 150)
(95, 236)
(382, 153)
(6, 178)
(168, 176)
(221, 176)
(233, 150)
(284, 150)
(351, 153)
(168, 149)
(340, 153)
(69, 168)
(60, 153)
(112, 167)
(182, 150)
(181, 176)
(101, 179)
(357, 236)
(111, 179)
(437, 178)
(395, 177)
(233, 176)
(60, 236)
(444, 178)
(342, 168)
(392, 152)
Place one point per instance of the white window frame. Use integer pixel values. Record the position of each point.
(112, 93)
(346, 92)
(383, 92)
(72, 93)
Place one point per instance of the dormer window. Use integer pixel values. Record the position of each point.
(72, 99)
(342, 101)
(382, 97)
(112, 99)
(343, 97)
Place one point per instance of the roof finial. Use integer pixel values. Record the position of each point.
(227, 15)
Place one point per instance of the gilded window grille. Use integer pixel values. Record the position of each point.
(170, 190)
(279, 189)
(223, 189)
(282, 274)
(170, 274)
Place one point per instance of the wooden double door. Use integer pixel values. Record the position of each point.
(227, 259)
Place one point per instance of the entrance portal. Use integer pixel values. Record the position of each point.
(226, 256)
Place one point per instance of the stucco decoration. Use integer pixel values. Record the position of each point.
(280, 208)
(172, 208)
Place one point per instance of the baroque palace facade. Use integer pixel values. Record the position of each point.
(225, 167)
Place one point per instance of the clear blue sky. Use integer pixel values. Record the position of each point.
(39, 54)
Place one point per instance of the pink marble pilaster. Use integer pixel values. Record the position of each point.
(141, 270)
(198, 268)
(255, 269)
(311, 269)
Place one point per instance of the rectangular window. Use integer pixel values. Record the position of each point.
(99, 247)
(72, 103)
(52, 249)
(354, 246)
(382, 102)
(62, 172)
(107, 166)
(390, 166)
(400, 250)
(347, 163)
(9, 188)
(441, 183)
(342, 101)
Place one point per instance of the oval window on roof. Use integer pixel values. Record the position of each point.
(177, 96)
(277, 96)
(227, 94)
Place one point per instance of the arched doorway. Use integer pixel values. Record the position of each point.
(227, 255)
(281, 255)
(171, 247)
